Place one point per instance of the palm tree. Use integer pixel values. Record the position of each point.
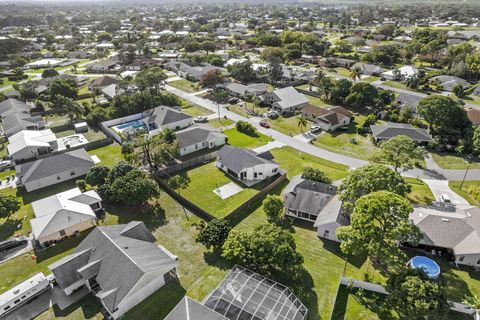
(412, 82)
(302, 123)
(355, 74)
(318, 79)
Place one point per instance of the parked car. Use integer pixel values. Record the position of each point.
(272, 114)
(201, 119)
(315, 129)
(4, 164)
(233, 100)
(264, 124)
(12, 243)
(445, 198)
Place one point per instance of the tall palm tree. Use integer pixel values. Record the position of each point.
(355, 74)
(302, 123)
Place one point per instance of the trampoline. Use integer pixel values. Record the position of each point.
(430, 267)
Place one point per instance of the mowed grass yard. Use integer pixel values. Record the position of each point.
(421, 193)
(449, 161)
(109, 155)
(341, 141)
(288, 125)
(204, 180)
(242, 140)
(470, 190)
(184, 85)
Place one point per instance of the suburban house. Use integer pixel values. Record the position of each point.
(64, 214)
(401, 73)
(447, 83)
(285, 100)
(189, 309)
(244, 294)
(368, 69)
(141, 64)
(328, 119)
(246, 165)
(28, 144)
(54, 169)
(198, 138)
(450, 229)
(476, 91)
(330, 218)
(102, 82)
(16, 117)
(109, 92)
(392, 129)
(105, 65)
(163, 117)
(404, 100)
(336, 62)
(119, 264)
(240, 90)
(189, 70)
(23, 293)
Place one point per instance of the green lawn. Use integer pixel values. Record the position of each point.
(55, 120)
(421, 193)
(195, 110)
(454, 162)
(470, 190)
(287, 125)
(318, 102)
(341, 141)
(222, 123)
(238, 109)
(108, 155)
(241, 140)
(293, 161)
(206, 178)
(343, 72)
(396, 84)
(184, 85)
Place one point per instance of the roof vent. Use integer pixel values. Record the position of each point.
(125, 246)
(445, 220)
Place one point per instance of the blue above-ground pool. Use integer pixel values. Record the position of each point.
(430, 267)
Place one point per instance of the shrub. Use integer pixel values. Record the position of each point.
(247, 128)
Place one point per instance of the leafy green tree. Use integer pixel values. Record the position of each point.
(63, 87)
(275, 70)
(302, 123)
(119, 170)
(362, 94)
(8, 205)
(355, 74)
(459, 91)
(151, 78)
(313, 174)
(367, 179)
(134, 188)
(270, 54)
(97, 175)
(400, 152)
(208, 46)
(473, 302)
(273, 208)
(379, 221)
(446, 118)
(212, 78)
(158, 150)
(266, 249)
(247, 128)
(476, 141)
(340, 91)
(412, 295)
(81, 184)
(214, 233)
(49, 73)
(104, 36)
(242, 71)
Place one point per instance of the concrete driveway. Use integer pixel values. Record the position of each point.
(31, 309)
(440, 187)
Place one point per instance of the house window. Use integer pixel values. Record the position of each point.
(6, 308)
(72, 173)
(326, 233)
(16, 301)
(274, 170)
(461, 258)
(478, 261)
(62, 232)
(255, 175)
(196, 147)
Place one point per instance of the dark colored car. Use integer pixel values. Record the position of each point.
(12, 243)
(264, 124)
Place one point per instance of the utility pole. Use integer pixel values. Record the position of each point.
(467, 160)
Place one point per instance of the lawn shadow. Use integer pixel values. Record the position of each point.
(214, 258)
(60, 247)
(153, 215)
(8, 228)
(89, 305)
(159, 304)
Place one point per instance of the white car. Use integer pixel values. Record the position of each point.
(315, 129)
(445, 198)
(4, 164)
(271, 114)
(201, 119)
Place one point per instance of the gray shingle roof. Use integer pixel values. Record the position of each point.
(49, 166)
(189, 309)
(237, 159)
(191, 136)
(13, 106)
(392, 129)
(163, 115)
(309, 196)
(129, 260)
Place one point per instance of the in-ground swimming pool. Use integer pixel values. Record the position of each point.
(137, 124)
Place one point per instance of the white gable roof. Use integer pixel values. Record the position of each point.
(60, 211)
(30, 138)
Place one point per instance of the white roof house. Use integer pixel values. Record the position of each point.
(28, 144)
(285, 99)
(404, 73)
(63, 214)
